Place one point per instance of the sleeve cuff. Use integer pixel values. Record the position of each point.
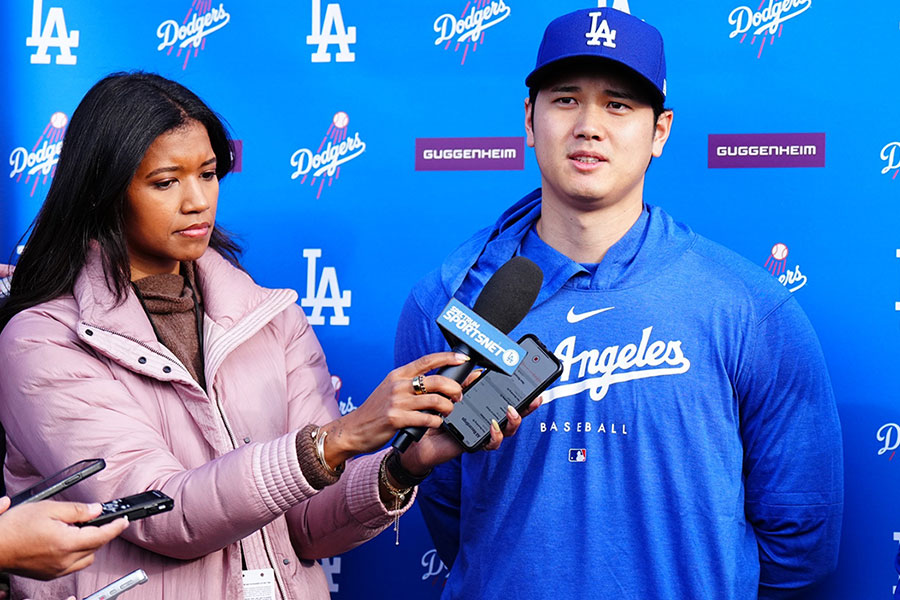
(278, 476)
(363, 497)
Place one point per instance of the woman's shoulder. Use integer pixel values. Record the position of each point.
(52, 319)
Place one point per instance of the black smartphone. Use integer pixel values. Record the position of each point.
(59, 481)
(489, 395)
(119, 586)
(135, 507)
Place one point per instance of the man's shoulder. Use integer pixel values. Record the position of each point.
(724, 270)
(429, 293)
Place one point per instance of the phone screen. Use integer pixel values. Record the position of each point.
(59, 481)
(488, 397)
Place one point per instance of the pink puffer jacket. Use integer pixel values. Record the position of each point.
(82, 377)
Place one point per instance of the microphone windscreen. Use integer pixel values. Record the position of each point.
(509, 294)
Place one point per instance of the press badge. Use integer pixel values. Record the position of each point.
(259, 584)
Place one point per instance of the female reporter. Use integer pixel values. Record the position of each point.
(131, 333)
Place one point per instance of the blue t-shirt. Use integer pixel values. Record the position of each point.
(696, 392)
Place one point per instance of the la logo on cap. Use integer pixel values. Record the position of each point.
(600, 32)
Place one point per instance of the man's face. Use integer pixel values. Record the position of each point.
(593, 139)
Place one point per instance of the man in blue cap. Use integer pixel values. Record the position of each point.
(691, 448)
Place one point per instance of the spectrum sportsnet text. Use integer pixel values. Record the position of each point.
(478, 332)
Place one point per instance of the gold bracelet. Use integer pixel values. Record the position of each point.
(399, 495)
(320, 436)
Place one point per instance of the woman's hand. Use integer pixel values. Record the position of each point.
(394, 405)
(437, 446)
(38, 540)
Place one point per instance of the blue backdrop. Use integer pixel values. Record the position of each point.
(353, 226)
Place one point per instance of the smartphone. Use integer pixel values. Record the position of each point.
(488, 396)
(135, 507)
(120, 585)
(59, 481)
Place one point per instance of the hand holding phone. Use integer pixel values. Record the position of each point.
(488, 396)
(35, 541)
(134, 507)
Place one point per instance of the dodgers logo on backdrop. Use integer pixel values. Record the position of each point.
(891, 154)
(200, 21)
(40, 161)
(345, 406)
(776, 264)
(327, 294)
(434, 566)
(335, 149)
(470, 154)
(766, 23)
(889, 436)
(467, 30)
(44, 38)
(330, 31)
(765, 150)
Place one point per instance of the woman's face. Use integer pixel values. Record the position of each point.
(171, 203)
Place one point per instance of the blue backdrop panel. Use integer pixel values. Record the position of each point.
(353, 227)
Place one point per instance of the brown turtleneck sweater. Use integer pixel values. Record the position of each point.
(169, 299)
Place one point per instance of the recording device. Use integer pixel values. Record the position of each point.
(123, 584)
(504, 301)
(59, 481)
(134, 507)
(489, 395)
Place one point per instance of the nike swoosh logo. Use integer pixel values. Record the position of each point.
(573, 318)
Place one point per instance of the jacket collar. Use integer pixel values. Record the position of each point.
(229, 296)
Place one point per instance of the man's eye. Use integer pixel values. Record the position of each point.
(209, 175)
(567, 100)
(618, 106)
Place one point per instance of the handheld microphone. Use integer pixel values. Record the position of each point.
(503, 302)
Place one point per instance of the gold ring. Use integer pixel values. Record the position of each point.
(418, 384)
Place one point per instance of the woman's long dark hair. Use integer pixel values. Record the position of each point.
(108, 136)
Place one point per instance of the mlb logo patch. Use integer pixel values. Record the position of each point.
(577, 454)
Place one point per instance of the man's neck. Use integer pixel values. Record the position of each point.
(586, 236)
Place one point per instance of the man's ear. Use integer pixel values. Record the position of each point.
(529, 124)
(661, 132)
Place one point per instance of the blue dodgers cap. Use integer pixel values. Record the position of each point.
(603, 33)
